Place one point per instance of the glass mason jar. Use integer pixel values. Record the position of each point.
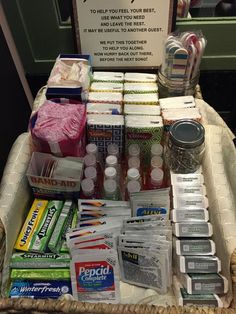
(185, 147)
(172, 87)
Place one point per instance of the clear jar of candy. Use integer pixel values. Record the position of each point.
(185, 146)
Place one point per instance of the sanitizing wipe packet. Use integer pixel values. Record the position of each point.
(143, 268)
(95, 276)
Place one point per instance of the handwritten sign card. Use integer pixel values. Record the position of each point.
(123, 33)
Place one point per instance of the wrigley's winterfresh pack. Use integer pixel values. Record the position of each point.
(95, 276)
(39, 289)
(25, 238)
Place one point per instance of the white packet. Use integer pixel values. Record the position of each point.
(102, 244)
(100, 222)
(76, 233)
(101, 203)
(95, 276)
(143, 268)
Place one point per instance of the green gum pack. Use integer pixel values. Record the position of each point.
(39, 260)
(46, 226)
(42, 274)
(64, 221)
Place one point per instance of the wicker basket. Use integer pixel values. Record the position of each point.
(24, 305)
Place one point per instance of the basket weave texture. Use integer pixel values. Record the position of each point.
(24, 305)
(50, 306)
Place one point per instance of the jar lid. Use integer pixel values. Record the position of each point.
(87, 186)
(156, 162)
(111, 160)
(110, 186)
(156, 149)
(90, 173)
(91, 148)
(157, 175)
(133, 186)
(113, 149)
(187, 133)
(90, 160)
(134, 162)
(133, 174)
(134, 150)
(110, 172)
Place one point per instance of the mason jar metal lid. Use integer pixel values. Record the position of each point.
(187, 133)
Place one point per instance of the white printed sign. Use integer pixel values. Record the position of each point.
(123, 33)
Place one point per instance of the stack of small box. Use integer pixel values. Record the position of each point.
(198, 280)
(105, 122)
(176, 108)
(106, 97)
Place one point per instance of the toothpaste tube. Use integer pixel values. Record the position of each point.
(187, 179)
(39, 260)
(61, 227)
(31, 223)
(190, 201)
(204, 283)
(198, 264)
(194, 247)
(42, 274)
(51, 289)
(185, 190)
(95, 276)
(189, 214)
(192, 229)
(185, 299)
(46, 226)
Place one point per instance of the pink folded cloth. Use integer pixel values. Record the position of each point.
(59, 128)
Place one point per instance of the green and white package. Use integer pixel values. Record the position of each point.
(140, 88)
(46, 226)
(39, 260)
(144, 131)
(40, 274)
(64, 220)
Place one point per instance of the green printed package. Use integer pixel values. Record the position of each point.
(42, 274)
(144, 131)
(39, 260)
(46, 226)
(61, 227)
(71, 225)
